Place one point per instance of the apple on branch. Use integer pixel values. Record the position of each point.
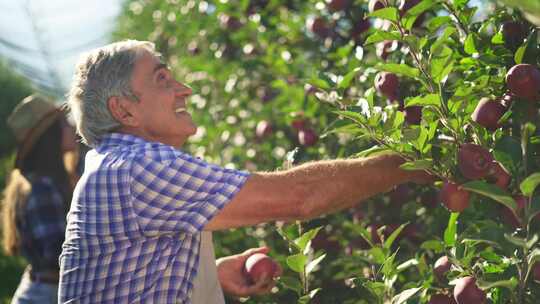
(523, 80)
(467, 292)
(387, 84)
(488, 113)
(474, 161)
(453, 197)
(441, 267)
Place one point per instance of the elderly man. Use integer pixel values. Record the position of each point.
(140, 220)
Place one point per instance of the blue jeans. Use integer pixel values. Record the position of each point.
(29, 292)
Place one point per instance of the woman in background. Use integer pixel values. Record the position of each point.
(37, 195)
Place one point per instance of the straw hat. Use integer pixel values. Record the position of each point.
(29, 120)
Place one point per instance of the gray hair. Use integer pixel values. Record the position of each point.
(101, 74)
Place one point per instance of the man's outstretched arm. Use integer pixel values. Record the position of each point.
(312, 189)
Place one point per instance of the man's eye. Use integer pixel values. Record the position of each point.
(161, 76)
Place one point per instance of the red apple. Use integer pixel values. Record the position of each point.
(523, 80)
(307, 137)
(498, 175)
(299, 124)
(387, 84)
(319, 27)
(513, 34)
(487, 113)
(441, 267)
(263, 129)
(453, 197)
(375, 5)
(338, 5)
(511, 218)
(259, 266)
(467, 292)
(360, 27)
(406, 5)
(323, 241)
(536, 272)
(474, 161)
(383, 49)
(413, 115)
(400, 194)
(441, 299)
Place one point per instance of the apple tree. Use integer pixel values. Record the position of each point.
(451, 86)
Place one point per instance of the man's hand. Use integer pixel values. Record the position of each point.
(235, 281)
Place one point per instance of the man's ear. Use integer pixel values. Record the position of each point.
(123, 111)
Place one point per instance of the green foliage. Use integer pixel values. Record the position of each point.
(14, 89)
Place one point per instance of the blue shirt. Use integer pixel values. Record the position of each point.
(41, 224)
(133, 230)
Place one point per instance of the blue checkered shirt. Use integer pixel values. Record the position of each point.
(41, 224)
(133, 230)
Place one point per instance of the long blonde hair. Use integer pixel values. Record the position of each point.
(15, 196)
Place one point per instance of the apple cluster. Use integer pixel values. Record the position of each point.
(476, 162)
(465, 291)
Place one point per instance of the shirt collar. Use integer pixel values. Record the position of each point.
(114, 140)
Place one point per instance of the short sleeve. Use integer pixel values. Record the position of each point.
(182, 194)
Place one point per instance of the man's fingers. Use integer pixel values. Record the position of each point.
(251, 251)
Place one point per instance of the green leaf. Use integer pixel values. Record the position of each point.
(377, 255)
(379, 36)
(387, 13)
(297, 262)
(532, 241)
(434, 245)
(497, 38)
(426, 100)
(292, 283)
(346, 81)
(372, 151)
(437, 22)
(407, 264)
(491, 191)
(528, 186)
(469, 46)
(392, 237)
(412, 14)
(356, 117)
(304, 239)
(311, 265)
(532, 258)
(435, 47)
(319, 83)
(450, 233)
(306, 298)
(405, 295)
(511, 284)
(388, 266)
(520, 242)
(421, 164)
(528, 52)
(400, 69)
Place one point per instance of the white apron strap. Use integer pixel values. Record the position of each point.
(206, 288)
